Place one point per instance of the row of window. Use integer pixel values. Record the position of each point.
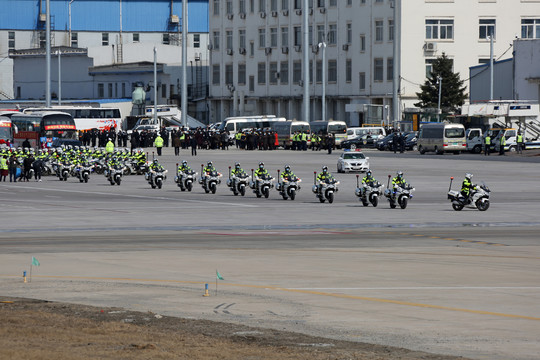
(443, 29)
(272, 5)
(282, 75)
(114, 91)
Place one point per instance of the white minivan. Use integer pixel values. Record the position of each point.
(356, 132)
(441, 138)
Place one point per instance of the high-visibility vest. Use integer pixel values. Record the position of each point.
(503, 140)
(3, 164)
(182, 137)
(304, 137)
(520, 138)
(158, 142)
(109, 147)
(488, 140)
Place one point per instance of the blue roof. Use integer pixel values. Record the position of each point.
(104, 15)
(487, 64)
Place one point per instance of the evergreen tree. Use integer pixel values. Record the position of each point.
(452, 90)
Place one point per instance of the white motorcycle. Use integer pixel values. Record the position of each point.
(369, 192)
(238, 182)
(82, 171)
(210, 181)
(400, 195)
(479, 197)
(114, 174)
(156, 177)
(288, 187)
(261, 185)
(185, 180)
(325, 189)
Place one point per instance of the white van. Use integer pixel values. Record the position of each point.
(441, 138)
(355, 132)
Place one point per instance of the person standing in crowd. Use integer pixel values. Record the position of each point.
(12, 167)
(487, 145)
(519, 141)
(158, 143)
(502, 143)
(109, 148)
(176, 142)
(4, 169)
(193, 143)
(27, 166)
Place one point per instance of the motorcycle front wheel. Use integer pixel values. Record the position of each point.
(118, 180)
(242, 190)
(403, 202)
(189, 186)
(159, 183)
(292, 194)
(482, 205)
(266, 192)
(213, 188)
(85, 178)
(374, 201)
(330, 197)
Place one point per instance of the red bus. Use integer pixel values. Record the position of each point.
(44, 129)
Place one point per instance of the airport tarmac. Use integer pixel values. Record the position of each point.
(425, 278)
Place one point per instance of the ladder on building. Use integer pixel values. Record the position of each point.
(199, 86)
(5, 95)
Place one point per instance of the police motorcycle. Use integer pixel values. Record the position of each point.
(114, 173)
(83, 170)
(369, 192)
(288, 187)
(261, 185)
(62, 168)
(478, 196)
(238, 181)
(185, 179)
(400, 195)
(325, 189)
(156, 175)
(210, 180)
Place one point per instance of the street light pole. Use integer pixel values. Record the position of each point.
(155, 85)
(48, 57)
(439, 81)
(184, 105)
(323, 46)
(59, 77)
(305, 46)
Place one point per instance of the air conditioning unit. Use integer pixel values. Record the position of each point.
(230, 16)
(430, 46)
(298, 48)
(299, 12)
(315, 49)
(268, 50)
(242, 51)
(346, 47)
(285, 49)
(322, 10)
(242, 15)
(285, 12)
(229, 51)
(42, 17)
(262, 14)
(210, 47)
(174, 19)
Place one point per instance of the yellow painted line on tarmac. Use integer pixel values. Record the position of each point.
(300, 291)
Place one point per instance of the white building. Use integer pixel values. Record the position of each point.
(256, 58)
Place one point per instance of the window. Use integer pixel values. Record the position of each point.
(261, 73)
(165, 40)
(215, 74)
(390, 29)
(378, 69)
(298, 4)
(333, 3)
(109, 87)
(439, 29)
(273, 73)
(349, 2)
(262, 38)
(229, 39)
(124, 89)
(332, 70)
(241, 74)
(216, 7)
(284, 72)
(349, 33)
(379, 30)
(332, 34)
(136, 37)
(320, 34)
(320, 3)
(297, 72)
(171, 90)
(216, 40)
(530, 28)
(273, 37)
(348, 70)
(105, 39)
(228, 74)
(273, 5)
(389, 69)
(11, 39)
(262, 5)
(297, 36)
(74, 39)
(429, 67)
(284, 4)
(284, 36)
(242, 38)
(196, 40)
(42, 39)
(318, 71)
(229, 7)
(362, 42)
(362, 77)
(164, 90)
(251, 48)
(242, 6)
(101, 90)
(486, 27)
(311, 71)
(252, 83)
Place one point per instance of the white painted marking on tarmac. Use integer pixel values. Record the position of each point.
(432, 288)
(134, 196)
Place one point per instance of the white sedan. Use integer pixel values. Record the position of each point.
(353, 160)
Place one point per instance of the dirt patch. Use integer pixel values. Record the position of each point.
(35, 329)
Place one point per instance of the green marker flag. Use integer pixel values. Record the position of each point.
(218, 276)
(35, 262)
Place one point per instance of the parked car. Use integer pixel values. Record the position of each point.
(411, 140)
(352, 160)
(364, 141)
(385, 143)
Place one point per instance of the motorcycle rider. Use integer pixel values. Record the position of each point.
(156, 166)
(261, 172)
(324, 174)
(209, 168)
(368, 180)
(287, 174)
(398, 180)
(184, 167)
(237, 170)
(467, 186)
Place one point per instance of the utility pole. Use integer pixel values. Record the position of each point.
(323, 46)
(184, 61)
(155, 86)
(439, 81)
(59, 77)
(491, 67)
(305, 52)
(396, 76)
(48, 57)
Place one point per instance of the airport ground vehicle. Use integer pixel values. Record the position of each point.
(352, 160)
(441, 138)
(336, 128)
(43, 128)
